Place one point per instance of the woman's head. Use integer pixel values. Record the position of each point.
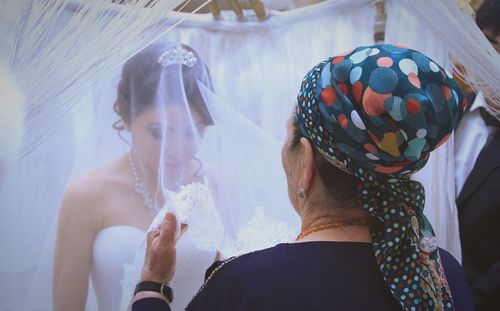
(375, 113)
(160, 102)
(337, 189)
(382, 108)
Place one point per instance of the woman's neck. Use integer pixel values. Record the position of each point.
(334, 224)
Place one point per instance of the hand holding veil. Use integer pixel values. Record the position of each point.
(241, 205)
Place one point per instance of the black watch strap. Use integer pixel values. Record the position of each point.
(161, 288)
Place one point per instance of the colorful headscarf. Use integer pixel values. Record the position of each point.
(377, 112)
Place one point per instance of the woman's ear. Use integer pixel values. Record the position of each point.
(308, 168)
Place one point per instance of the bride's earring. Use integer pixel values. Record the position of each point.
(301, 193)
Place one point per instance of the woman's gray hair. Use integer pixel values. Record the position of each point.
(341, 186)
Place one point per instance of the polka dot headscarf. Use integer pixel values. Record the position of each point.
(377, 112)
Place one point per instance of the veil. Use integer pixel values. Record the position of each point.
(246, 185)
(229, 198)
(156, 137)
(235, 181)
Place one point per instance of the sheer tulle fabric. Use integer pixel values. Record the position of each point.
(58, 39)
(462, 39)
(69, 65)
(234, 210)
(258, 66)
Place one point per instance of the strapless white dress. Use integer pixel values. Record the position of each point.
(196, 249)
(115, 248)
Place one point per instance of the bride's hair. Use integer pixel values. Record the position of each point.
(142, 79)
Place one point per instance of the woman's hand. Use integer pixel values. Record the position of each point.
(159, 265)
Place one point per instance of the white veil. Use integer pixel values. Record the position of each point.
(70, 124)
(69, 67)
(236, 166)
(247, 187)
(452, 23)
(234, 198)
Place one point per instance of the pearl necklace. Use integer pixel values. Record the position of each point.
(141, 189)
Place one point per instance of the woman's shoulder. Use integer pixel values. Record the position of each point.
(291, 252)
(457, 281)
(255, 276)
(240, 267)
(234, 267)
(449, 259)
(215, 292)
(452, 267)
(97, 185)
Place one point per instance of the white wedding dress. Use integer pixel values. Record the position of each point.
(118, 252)
(116, 246)
(196, 249)
(113, 247)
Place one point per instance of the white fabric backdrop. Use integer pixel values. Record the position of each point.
(258, 66)
(465, 42)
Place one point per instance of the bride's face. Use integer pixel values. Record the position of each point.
(173, 129)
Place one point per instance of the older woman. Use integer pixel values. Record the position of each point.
(363, 123)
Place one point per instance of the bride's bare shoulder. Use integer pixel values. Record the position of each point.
(100, 183)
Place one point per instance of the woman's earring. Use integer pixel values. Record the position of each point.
(301, 193)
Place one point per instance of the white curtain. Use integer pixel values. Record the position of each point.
(258, 66)
(463, 40)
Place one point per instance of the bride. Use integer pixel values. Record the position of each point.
(104, 214)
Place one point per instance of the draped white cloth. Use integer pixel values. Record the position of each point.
(62, 45)
(258, 66)
(463, 40)
(11, 12)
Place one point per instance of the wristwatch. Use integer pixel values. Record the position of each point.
(161, 288)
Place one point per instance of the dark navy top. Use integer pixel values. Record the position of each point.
(306, 276)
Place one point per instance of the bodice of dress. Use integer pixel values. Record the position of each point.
(191, 264)
(113, 247)
(116, 246)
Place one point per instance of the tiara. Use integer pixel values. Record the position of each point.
(177, 55)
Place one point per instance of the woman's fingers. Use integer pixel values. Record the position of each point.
(167, 230)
